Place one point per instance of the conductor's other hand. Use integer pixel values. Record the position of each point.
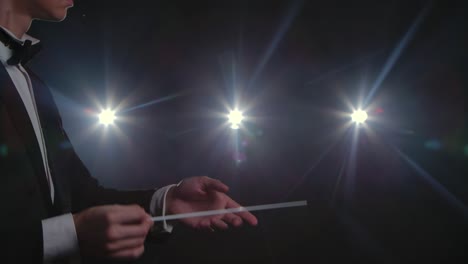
(203, 193)
(113, 231)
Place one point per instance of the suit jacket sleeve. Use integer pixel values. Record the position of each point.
(22, 243)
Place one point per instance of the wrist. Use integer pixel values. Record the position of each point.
(76, 220)
(77, 223)
(169, 200)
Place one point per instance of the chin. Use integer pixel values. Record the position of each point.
(56, 16)
(59, 16)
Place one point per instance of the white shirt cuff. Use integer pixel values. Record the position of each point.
(59, 237)
(158, 203)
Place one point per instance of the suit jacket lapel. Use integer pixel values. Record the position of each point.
(22, 123)
(54, 136)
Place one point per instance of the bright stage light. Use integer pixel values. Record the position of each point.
(235, 118)
(107, 117)
(359, 116)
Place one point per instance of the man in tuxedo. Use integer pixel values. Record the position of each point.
(51, 207)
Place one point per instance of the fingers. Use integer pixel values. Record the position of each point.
(211, 223)
(218, 223)
(119, 232)
(126, 235)
(214, 185)
(125, 244)
(128, 214)
(205, 223)
(232, 219)
(128, 222)
(246, 216)
(112, 231)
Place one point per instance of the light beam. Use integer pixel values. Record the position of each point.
(397, 51)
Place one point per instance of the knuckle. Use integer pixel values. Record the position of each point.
(143, 213)
(140, 242)
(144, 230)
(114, 208)
(138, 252)
(150, 223)
(109, 218)
(111, 233)
(108, 248)
(136, 207)
(139, 209)
(147, 228)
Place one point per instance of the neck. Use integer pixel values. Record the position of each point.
(13, 16)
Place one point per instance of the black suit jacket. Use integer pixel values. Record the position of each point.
(24, 192)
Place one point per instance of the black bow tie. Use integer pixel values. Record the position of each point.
(21, 53)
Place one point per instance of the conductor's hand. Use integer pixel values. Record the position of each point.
(203, 193)
(113, 231)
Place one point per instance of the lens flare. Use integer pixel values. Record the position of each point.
(359, 116)
(107, 117)
(235, 118)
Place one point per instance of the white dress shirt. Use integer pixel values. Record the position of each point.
(59, 234)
